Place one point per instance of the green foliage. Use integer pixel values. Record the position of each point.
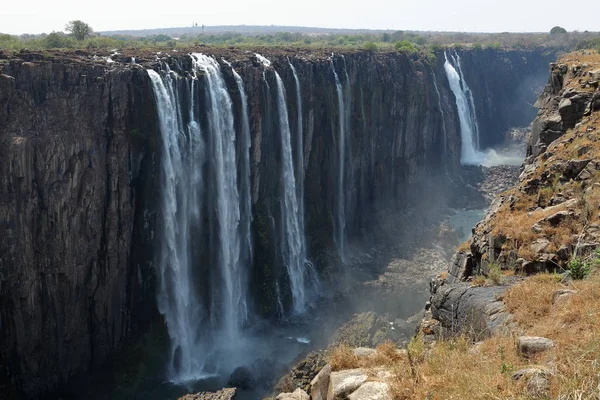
(495, 273)
(505, 367)
(413, 43)
(58, 40)
(370, 46)
(406, 47)
(578, 269)
(416, 348)
(557, 30)
(79, 29)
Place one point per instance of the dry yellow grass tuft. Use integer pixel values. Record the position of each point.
(342, 357)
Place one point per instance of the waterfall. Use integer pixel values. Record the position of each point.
(181, 182)
(230, 306)
(444, 130)
(299, 149)
(469, 154)
(310, 274)
(469, 95)
(340, 225)
(245, 189)
(194, 331)
(293, 241)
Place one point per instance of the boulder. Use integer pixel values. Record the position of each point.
(561, 295)
(531, 371)
(342, 383)
(538, 386)
(364, 352)
(298, 394)
(558, 217)
(476, 311)
(242, 378)
(574, 167)
(530, 345)
(259, 374)
(539, 245)
(372, 391)
(320, 384)
(224, 394)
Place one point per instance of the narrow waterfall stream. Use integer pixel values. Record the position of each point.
(294, 246)
(469, 154)
(340, 212)
(443, 116)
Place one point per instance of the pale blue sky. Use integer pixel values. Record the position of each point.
(37, 16)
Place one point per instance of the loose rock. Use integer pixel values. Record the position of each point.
(342, 383)
(372, 391)
(530, 345)
(298, 394)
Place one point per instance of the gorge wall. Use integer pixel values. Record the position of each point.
(81, 166)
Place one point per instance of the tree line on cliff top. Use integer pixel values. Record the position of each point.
(79, 35)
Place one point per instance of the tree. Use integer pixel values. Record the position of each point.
(57, 40)
(79, 29)
(557, 30)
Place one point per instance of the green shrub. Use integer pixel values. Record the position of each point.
(405, 46)
(495, 273)
(578, 269)
(370, 46)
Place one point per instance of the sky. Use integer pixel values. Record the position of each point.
(38, 16)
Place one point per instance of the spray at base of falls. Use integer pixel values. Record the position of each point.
(469, 130)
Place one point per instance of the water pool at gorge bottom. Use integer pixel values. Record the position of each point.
(465, 220)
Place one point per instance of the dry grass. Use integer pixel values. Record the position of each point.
(455, 369)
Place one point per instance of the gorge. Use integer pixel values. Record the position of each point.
(221, 190)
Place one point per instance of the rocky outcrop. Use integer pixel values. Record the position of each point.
(225, 394)
(561, 107)
(474, 311)
(79, 182)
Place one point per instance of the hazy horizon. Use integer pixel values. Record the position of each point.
(38, 16)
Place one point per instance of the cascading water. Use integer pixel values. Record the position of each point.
(194, 331)
(469, 155)
(340, 225)
(299, 148)
(230, 309)
(444, 130)
(181, 181)
(293, 242)
(311, 278)
(469, 95)
(245, 189)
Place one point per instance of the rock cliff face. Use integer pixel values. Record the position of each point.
(79, 180)
(75, 175)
